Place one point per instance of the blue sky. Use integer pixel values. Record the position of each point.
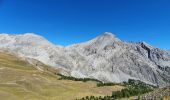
(65, 22)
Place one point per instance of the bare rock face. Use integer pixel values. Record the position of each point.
(106, 58)
(109, 59)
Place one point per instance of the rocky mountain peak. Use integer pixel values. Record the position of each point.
(106, 57)
(103, 42)
(146, 45)
(31, 34)
(107, 36)
(28, 37)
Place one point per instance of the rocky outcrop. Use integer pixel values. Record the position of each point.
(106, 58)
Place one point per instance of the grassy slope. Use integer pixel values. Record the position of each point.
(21, 81)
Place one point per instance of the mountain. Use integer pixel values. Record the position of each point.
(106, 58)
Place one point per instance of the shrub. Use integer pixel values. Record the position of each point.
(62, 77)
(133, 88)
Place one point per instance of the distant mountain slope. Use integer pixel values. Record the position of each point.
(106, 58)
(20, 80)
(163, 93)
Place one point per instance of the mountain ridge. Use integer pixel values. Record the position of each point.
(106, 58)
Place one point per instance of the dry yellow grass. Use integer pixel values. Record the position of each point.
(21, 81)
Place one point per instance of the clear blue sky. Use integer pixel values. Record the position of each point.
(65, 22)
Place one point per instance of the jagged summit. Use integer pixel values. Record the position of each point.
(146, 45)
(102, 42)
(107, 35)
(106, 38)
